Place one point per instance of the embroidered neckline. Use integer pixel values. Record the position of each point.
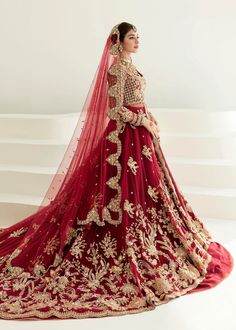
(130, 66)
(126, 60)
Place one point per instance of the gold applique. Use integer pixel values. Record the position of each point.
(12, 271)
(134, 88)
(126, 115)
(116, 78)
(18, 232)
(146, 151)
(92, 215)
(109, 279)
(129, 207)
(52, 245)
(78, 246)
(101, 278)
(132, 165)
(39, 270)
(121, 93)
(108, 245)
(153, 193)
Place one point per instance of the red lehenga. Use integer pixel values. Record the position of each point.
(123, 240)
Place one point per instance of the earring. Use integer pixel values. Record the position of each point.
(120, 48)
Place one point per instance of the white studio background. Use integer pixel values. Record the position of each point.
(50, 50)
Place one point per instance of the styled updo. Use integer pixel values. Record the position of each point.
(125, 27)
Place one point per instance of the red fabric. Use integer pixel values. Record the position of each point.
(109, 269)
(218, 269)
(87, 134)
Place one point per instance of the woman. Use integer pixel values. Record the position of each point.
(118, 236)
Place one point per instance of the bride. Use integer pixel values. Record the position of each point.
(114, 234)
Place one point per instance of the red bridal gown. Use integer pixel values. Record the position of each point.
(133, 241)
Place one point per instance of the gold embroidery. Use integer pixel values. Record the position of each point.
(39, 270)
(116, 79)
(92, 215)
(129, 207)
(18, 232)
(160, 259)
(11, 271)
(78, 246)
(146, 151)
(193, 223)
(108, 245)
(134, 87)
(121, 92)
(132, 165)
(153, 193)
(102, 277)
(52, 245)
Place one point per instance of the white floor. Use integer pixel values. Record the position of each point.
(213, 309)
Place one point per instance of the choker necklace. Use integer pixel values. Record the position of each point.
(126, 60)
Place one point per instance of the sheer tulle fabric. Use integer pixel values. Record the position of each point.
(87, 133)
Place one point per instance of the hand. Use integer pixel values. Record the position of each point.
(152, 128)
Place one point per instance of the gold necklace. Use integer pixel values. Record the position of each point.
(126, 60)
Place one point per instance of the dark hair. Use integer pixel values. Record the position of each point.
(125, 27)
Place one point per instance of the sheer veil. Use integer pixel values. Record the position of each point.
(89, 128)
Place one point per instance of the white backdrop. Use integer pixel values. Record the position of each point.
(50, 50)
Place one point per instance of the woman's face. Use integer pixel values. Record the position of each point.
(130, 42)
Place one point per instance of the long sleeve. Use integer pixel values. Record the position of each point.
(116, 80)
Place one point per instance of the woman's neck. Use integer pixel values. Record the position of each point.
(125, 55)
(126, 59)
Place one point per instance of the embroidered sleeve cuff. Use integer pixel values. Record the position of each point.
(131, 117)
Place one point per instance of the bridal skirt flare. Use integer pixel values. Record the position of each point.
(131, 243)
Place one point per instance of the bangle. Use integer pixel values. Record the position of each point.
(141, 122)
(134, 118)
(141, 116)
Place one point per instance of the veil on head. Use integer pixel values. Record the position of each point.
(90, 126)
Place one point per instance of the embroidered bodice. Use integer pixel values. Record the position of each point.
(126, 87)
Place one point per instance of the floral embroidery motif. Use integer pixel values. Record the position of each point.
(78, 246)
(18, 232)
(107, 278)
(132, 165)
(52, 245)
(108, 245)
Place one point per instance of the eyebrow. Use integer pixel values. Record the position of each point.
(131, 34)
